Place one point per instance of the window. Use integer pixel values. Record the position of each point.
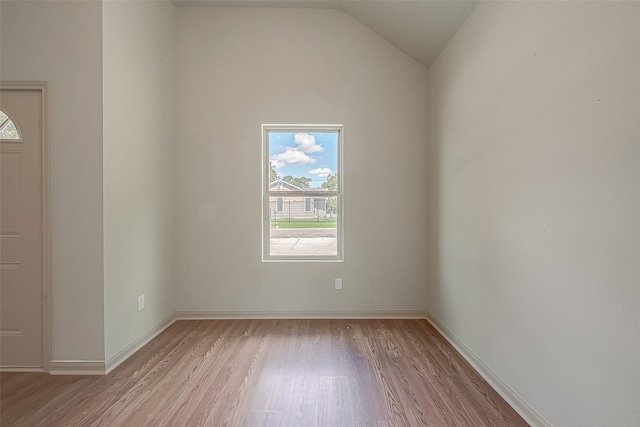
(302, 193)
(8, 130)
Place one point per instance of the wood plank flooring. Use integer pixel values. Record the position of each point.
(270, 373)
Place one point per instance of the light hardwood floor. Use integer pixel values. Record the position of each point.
(270, 373)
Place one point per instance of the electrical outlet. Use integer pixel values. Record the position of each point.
(338, 283)
(140, 302)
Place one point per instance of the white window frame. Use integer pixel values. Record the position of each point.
(279, 204)
(267, 193)
(307, 204)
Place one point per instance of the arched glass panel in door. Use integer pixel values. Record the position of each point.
(8, 129)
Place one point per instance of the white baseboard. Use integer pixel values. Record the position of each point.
(115, 360)
(21, 369)
(83, 367)
(315, 314)
(77, 367)
(533, 418)
(99, 367)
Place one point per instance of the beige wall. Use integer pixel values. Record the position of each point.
(61, 42)
(245, 67)
(94, 287)
(138, 171)
(536, 183)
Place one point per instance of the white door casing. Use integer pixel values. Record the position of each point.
(25, 231)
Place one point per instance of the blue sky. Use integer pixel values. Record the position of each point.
(313, 155)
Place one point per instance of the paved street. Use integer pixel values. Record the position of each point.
(304, 241)
(283, 233)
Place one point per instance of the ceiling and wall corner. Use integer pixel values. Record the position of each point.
(420, 29)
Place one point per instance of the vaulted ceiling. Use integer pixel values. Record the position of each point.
(420, 28)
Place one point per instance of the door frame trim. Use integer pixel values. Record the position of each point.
(44, 88)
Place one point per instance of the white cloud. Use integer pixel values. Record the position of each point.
(307, 143)
(291, 157)
(297, 155)
(321, 172)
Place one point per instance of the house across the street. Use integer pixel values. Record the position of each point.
(296, 206)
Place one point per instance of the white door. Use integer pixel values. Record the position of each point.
(21, 222)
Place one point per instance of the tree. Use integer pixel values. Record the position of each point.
(302, 182)
(331, 184)
(273, 175)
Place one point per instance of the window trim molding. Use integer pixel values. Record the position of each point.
(307, 128)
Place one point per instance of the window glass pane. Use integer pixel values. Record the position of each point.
(303, 160)
(301, 216)
(7, 128)
(297, 232)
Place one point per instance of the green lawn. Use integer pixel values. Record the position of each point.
(305, 223)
